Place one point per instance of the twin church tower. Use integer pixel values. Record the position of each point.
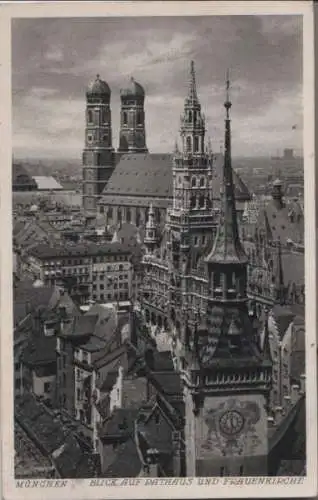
(99, 157)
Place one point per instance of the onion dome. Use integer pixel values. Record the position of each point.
(134, 89)
(98, 88)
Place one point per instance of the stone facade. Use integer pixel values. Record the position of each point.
(98, 154)
(195, 288)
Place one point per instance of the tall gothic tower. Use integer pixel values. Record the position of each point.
(191, 215)
(132, 136)
(226, 371)
(98, 154)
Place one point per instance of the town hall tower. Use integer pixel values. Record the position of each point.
(226, 370)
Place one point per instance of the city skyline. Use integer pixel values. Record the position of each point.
(54, 64)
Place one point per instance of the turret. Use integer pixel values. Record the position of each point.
(151, 239)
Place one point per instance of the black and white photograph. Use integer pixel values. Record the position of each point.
(159, 292)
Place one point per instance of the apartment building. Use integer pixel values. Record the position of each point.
(89, 271)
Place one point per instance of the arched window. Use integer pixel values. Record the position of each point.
(128, 215)
(201, 201)
(137, 217)
(190, 116)
(193, 181)
(196, 143)
(202, 182)
(188, 142)
(125, 118)
(193, 202)
(90, 116)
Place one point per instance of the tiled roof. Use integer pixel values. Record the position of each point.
(52, 436)
(127, 462)
(142, 175)
(134, 391)
(28, 298)
(28, 457)
(283, 317)
(44, 251)
(281, 226)
(81, 326)
(293, 268)
(120, 424)
(40, 351)
(169, 382)
(224, 320)
(162, 361)
(151, 175)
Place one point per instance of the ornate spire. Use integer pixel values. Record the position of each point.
(227, 246)
(192, 84)
(150, 239)
(266, 348)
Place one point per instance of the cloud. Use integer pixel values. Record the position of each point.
(54, 59)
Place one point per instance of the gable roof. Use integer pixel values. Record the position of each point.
(55, 440)
(143, 175)
(127, 462)
(150, 175)
(279, 223)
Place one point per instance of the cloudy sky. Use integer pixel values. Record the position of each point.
(53, 60)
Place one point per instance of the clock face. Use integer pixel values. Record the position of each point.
(231, 423)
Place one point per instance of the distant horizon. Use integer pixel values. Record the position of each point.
(79, 159)
(53, 61)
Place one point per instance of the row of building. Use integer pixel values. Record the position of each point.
(173, 348)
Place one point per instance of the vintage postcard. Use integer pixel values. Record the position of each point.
(158, 265)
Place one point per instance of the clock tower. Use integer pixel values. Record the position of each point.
(226, 370)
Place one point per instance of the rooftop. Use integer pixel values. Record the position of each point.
(150, 175)
(46, 183)
(55, 440)
(45, 251)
